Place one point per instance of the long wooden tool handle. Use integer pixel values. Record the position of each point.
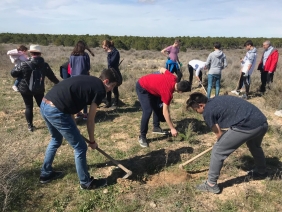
(194, 158)
(204, 88)
(109, 157)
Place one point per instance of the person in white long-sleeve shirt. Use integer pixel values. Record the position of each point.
(198, 66)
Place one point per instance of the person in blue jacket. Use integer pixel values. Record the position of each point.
(113, 62)
(80, 65)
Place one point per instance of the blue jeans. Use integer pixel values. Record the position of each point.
(211, 78)
(147, 109)
(62, 125)
(65, 73)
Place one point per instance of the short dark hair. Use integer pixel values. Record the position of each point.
(217, 45)
(248, 42)
(195, 99)
(183, 86)
(112, 75)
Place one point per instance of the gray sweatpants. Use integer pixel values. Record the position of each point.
(230, 141)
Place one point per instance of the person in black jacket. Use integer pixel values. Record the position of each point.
(113, 62)
(24, 71)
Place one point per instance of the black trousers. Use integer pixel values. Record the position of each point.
(178, 73)
(244, 80)
(28, 100)
(266, 78)
(191, 73)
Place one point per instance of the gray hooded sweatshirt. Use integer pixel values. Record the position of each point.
(216, 61)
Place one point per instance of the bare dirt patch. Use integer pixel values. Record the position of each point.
(173, 177)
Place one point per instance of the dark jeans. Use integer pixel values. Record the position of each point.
(266, 78)
(28, 100)
(178, 73)
(191, 73)
(244, 80)
(145, 100)
(65, 73)
(116, 94)
(232, 140)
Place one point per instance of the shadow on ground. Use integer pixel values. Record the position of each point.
(197, 126)
(149, 164)
(246, 163)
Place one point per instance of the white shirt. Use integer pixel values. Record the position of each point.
(197, 65)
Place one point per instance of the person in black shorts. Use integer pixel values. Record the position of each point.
(57, 108)
(245, 123)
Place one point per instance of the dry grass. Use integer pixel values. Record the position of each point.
(157, 184)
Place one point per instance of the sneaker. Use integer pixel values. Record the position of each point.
(278, 113)
(206, 187)
(158, 130)
(115, 104)
(256, 175)
(30, 128)
(235, 92)
(143, 142)
(54, 175)
(108, 105)
(85, 115)
(94, 184)
(15, 88)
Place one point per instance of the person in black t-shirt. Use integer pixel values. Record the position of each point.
(245, 123)
(57, 108)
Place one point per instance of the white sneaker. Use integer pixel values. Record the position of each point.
(235, 92)
(278, 113)
(15, 88)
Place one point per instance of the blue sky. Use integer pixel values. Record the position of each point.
(169, 18)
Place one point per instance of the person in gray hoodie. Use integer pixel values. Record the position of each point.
(216, 61)
(247, 67)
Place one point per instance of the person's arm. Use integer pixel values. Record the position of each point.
(16, 71)
(224, 62)
(50, 74)
(208, 62)
(217, 131)
(273, 65)
(91, 125)
(90, 51)
(198, 72)
(166, 114)
(162, 70)
(165, 51)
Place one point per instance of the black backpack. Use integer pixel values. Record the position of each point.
(36, 81)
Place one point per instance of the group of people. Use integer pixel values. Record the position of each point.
(244, 122)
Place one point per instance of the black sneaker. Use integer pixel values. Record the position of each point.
(54, 175)
(94, 184)
(143, 142)
(158, 130)
(206, 187)
(115, 104)
(256, 175)
(108, 105)
(31, 128)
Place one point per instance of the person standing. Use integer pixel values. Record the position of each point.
(154, 90)
(198, 66)
(245, 123)
(216, 62)
(64, 70)
(267, 65)
(171, 52)
(247, 67)
(25, 70)
(67, 98)
(80, 65)
(113, 62)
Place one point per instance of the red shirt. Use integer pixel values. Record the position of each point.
(161, 85)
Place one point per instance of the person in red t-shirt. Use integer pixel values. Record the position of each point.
(154, 90)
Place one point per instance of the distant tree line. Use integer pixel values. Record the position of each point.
(134, 42)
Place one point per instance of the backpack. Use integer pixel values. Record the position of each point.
(36, 81)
